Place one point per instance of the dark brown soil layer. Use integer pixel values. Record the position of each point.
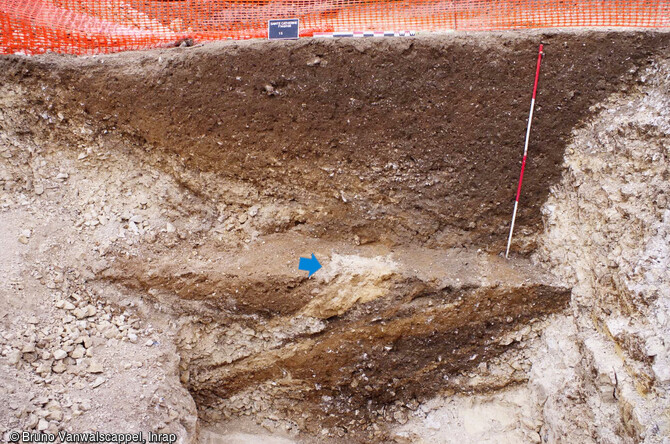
(397, 351)
(421, 137)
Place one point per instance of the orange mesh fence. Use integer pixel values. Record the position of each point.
(102, 26)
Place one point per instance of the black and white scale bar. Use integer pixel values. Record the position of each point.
(364, 34)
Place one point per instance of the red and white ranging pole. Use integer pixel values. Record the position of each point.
(525, 150)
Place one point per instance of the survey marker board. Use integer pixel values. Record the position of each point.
(284, 29)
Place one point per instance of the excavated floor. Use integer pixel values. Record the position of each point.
(394, 162)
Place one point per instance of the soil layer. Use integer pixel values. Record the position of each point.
(402, 141)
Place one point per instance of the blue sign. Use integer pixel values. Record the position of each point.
(283, 29)
(312, 265)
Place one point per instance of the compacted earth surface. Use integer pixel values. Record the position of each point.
(154, 206)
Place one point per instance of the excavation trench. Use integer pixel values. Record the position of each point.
(395, 162)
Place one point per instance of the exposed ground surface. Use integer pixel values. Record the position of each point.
(155, 205)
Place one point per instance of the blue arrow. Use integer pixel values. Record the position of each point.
(312, 265)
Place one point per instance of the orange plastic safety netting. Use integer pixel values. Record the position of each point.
(101, 26)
